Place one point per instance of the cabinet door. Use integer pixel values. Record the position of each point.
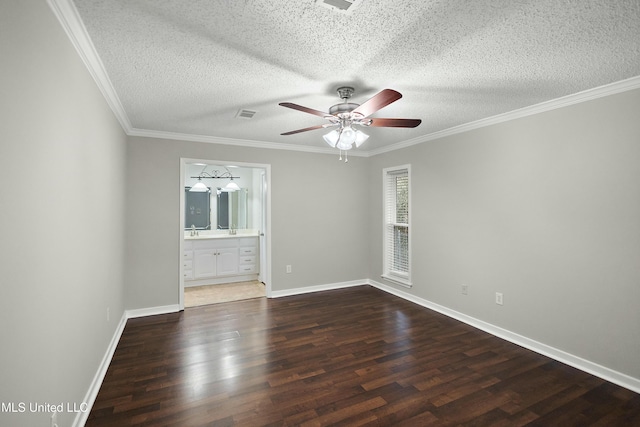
(227, 261)
(204, 263)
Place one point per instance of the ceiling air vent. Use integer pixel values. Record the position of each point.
(343, 6)
(245, 114)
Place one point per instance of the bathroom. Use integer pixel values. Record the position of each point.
(224, 219)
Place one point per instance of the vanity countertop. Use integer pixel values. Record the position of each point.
(220, 234)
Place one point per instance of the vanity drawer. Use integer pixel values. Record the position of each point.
(187, 255)
(247, 250)
(246, 259)
(247, 268)
(188, 274)
(187, 264)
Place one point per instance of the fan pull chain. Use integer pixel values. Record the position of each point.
(346, 156)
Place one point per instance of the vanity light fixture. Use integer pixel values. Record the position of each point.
(199, 186)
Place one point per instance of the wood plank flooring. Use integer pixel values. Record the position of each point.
(351, 357)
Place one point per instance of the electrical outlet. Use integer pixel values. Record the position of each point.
(499, 298)
(465, 289)
(288, 269)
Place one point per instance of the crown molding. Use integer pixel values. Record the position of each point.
(69, 18)
(565, 101)
(236, 142)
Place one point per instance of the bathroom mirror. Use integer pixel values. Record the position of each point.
(197, 210)
(232, 209)
(216, 210)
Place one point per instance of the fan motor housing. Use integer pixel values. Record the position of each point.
(344, 107)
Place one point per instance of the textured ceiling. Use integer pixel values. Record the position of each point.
(188, 66)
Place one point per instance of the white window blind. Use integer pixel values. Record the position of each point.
(396, 245)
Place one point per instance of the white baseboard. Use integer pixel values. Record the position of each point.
(577, 362)
(94, 388)
(152, 311)
(317, 288)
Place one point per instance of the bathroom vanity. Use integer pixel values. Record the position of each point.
(219, 258)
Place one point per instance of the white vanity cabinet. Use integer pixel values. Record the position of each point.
(248, 255)
(187, 262)
(212, 262)
(219, 260)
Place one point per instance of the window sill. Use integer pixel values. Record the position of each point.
(398, 281)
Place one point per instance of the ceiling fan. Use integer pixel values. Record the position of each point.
(345, 115)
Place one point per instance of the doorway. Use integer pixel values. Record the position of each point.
(224, 231)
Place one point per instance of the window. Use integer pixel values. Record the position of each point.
(397, 199)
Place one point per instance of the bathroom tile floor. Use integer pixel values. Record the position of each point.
(195, 296)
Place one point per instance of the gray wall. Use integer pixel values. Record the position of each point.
(62, 169)
(546, 210)
(319, 216)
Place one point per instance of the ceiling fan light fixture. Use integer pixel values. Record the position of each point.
(345, 139)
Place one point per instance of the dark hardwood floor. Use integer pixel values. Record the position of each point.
(351, 357)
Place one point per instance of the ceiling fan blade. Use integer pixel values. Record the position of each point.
(381, 100)
(395, 123)
(309, 128)
(304, 109)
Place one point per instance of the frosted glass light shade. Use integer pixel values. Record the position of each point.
(199, 187)
(360, 138)
(348, 136)
(232, 186)
(343, 145)
(332, 137)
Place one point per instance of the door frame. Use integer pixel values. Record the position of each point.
(266, 212)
